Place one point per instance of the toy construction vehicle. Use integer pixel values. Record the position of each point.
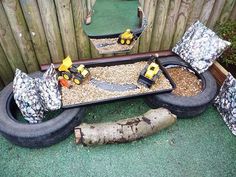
(127, 37)
(150, 73)
(70, 71)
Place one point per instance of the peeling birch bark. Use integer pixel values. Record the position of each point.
(125, 130)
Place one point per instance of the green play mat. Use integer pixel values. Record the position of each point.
(112, 17)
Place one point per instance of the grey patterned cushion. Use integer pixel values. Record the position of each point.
(33, 96)
(226, 102)
(200, 46)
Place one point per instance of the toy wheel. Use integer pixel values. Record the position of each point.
(128, 42)
(77, 81)
(122, 41)
(67, 75)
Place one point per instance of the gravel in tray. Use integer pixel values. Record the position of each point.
(187, 83)
(119, 74)
(110, 45)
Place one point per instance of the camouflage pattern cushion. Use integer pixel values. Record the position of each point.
(200, 47)
(225, 102)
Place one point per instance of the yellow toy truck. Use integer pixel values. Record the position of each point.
(127, 37)
(150, 73)
(70, 71)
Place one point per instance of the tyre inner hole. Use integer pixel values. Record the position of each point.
(17, 116)
(188, 83)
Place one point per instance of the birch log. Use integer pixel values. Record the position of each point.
(125, 130)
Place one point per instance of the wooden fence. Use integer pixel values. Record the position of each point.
(34, 32)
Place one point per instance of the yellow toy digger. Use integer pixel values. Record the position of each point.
(69, 71)
(127, 37)
(150, 73)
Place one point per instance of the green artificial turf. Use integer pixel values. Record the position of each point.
(113, 16)
(202, 146)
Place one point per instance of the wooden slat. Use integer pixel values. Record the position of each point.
(135, 47)
(228, 7)
(93, 2)
(5, 69)
(159, 24)
(83, 44)
(195, 12)
(219, 72)
(206, 11)
(35, 26)
(66, 24)
(215, 14)
(233, 13)
(183, 15)
(51, 28)
(149, 11)
(21, 34)
(94, 51)
(1, 85)
(141, 3)
(170, 24)
(8, 43)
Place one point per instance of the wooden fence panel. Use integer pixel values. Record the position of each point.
(215, 14)
(195, 12)
(206, 11)
(83, 45)
(35, 26)
(21, 34)
(184, 11)
(1, 84)
(5, 69)
(170, 25)
(149, 11)
(66, 23)
(8, 43)
(159, 24)
(228, 7)
(233, 13)
(51, 28)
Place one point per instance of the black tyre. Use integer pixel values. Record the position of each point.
(185, 106)
(35, 135)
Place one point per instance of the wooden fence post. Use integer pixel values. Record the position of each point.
(35, 26)
(228, 7)
(66, 23)
(1, 84)
(215, 14)
(51, 28)
(181, 22)
(8, 43)
(5, 69)
(170, 24)
(83, 45)
(21, 33)
(195, 12)
(149, 11)
(159, 24)
(233, 13)
(206, 11)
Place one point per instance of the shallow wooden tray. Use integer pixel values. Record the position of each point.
(117, 62)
